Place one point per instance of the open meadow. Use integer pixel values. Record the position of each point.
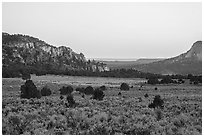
(127, 113)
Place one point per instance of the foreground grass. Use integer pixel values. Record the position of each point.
(127, 114)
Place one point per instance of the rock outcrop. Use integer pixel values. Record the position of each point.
(34, 53)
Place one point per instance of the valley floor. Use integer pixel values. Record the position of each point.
(125, 114)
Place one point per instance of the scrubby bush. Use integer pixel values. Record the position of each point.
(98, 94)
(119, 94)
(29, 90)
(155, 88)
(70, 100)
(66, 90)
(146, 95)
(140, 99)
(157, 102)
(89, 90)
(45, 91)
(103, 87)
(61, 97)
(124, 86)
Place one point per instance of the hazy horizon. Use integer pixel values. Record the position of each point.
(109, 30)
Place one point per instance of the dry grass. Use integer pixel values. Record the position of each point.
(127, 114)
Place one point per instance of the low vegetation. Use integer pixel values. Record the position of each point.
(146, 95)
(29, 90)
(89, 90)
(98, 94)
(66, 90)
(157, 102)
(103, 87)
(124, 86)
(70, 100)
(171, 110)
(45, 91)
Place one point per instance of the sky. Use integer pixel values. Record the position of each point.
(109, 30)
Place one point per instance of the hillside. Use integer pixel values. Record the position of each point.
(26, 52)
(186, 63)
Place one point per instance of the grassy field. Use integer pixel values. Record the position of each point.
(125, 114)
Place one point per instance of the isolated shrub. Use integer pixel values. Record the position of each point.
(70, 100)
(146, 95)
(119, 94)
(124, 86)
(45, 91)
(155, 88)
(103, 87)
(89, 90)
(157, 102)
(98, 94)
(61, 97)
(66, 90)
(29, 90)
(140, 99)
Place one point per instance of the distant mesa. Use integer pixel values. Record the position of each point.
(186, 63)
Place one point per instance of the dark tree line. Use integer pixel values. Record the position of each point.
(176, 80)
(19, 70)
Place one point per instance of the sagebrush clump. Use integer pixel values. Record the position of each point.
(29, 90)
(103, 87)
(124, 86)
(61, 97)
(70, 100)
(45, 91)
(146, 95)
(157, 102)
(98, 94)
(66, 90)
(89, 90)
